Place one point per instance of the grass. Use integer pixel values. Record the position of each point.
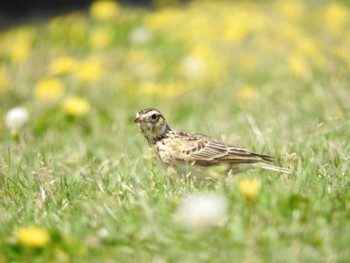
(86, 181)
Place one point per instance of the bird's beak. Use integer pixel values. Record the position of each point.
(138, 119)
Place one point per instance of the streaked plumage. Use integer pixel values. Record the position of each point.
(190, 153)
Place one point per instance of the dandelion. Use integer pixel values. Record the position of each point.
(32, 237)
(16, 118)
(209, 56)
(20, 52)
(298, 66)
(19, 44)
(247, 93)
(104, 9)
(77, 30)
(62, 65)
(73, 27)
(55, 26)
(200, 211)
(75, 106)
(140, 35)
(103, 232)
(236, 31)
(336, 17)
(173, 90)
(290, 9)
(149, 88)
(165, 18)
(5, 82)
(100, 38)
(89, 70)
(249, 188)
(49, 89)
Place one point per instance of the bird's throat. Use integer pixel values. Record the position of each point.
(156, 134)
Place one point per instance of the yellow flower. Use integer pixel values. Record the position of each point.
(163, 18)
(49, 89)
(55, 25)
(298, 66)
(336, 17)
(32, 237)
(149, 88)
(104, 9)
(89, 70)
(246, 93)
(311, 50)
(77, 31)
(5, 83)
(168, 90)
(249, 188)
(237, 27)
(75, 106)
(235, 33)
(20, 52)
(62, 65)
(100, 38)
(72, 27)
(173, 90)
(211, 66)
(18, 44)
(292, 10)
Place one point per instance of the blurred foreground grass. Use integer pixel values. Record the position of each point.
(76, 182)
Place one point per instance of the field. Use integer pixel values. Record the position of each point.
(78, 183)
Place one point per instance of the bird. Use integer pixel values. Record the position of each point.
(192, 154)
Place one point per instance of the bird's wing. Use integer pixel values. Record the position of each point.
(206, 151)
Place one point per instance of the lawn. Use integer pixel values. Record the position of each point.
(78, 182)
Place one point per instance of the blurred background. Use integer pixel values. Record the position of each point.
(89, 60)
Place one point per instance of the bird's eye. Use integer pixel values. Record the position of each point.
(154, 117)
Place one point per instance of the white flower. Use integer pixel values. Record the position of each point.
(202, 210)
(16, 118)
(140, 35)
(103, 233)
(194, 67)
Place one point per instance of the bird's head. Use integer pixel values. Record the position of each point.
(152, 124)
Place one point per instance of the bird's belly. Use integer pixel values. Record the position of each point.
(186, 169)
(205, 172)
(181, 167)
(215, 171)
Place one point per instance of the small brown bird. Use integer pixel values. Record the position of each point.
(195, 154)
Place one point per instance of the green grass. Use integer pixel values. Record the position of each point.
(87, 182)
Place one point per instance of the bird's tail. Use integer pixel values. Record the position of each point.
(272, 167)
